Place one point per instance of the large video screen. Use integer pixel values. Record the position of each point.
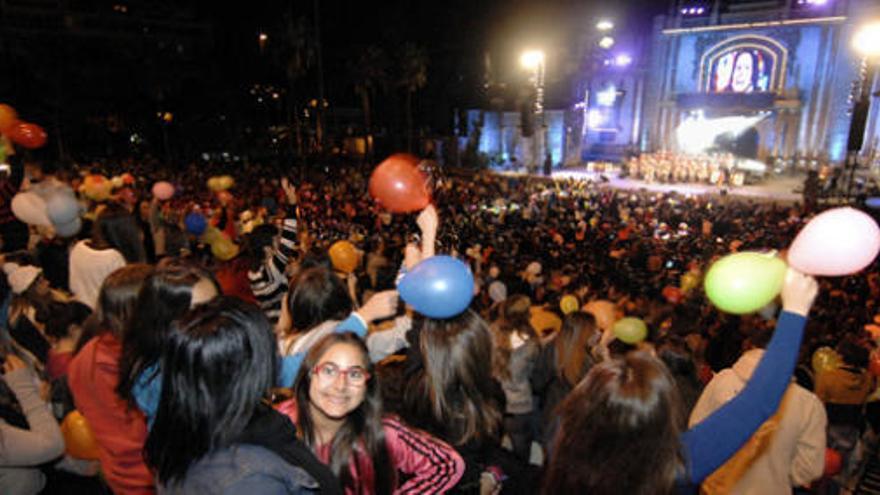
(742, 70)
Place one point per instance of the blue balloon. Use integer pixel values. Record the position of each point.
(438, 287)
(69, 229)
(195, 223)
(62, 207)
(873, 203)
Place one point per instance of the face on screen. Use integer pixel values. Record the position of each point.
(743, 71)
(723, 71)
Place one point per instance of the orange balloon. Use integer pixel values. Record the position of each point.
(78, 437)
(344, 256)
(8, 118)
(224, 197)
(97, 187)
(398, 184)
(30, 136)
(604, 311)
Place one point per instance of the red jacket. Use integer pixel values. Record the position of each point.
(430, 464)
(120, 431)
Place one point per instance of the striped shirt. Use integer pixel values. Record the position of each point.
(269, 283)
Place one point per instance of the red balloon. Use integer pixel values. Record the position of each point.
(833, 462)
(8, 118)
(874, 364)
(398, 184)
(28, 135)
(672, 294)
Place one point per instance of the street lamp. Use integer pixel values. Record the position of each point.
(866, 43)
(606, 42)
(604, 25)
(533, 60)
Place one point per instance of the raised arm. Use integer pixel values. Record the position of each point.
(287, 246)
(712, 441)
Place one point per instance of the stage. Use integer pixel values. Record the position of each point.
(780, 188)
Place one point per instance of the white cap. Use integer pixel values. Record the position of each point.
(21, 277)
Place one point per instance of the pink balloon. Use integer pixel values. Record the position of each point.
(163, 190)
(837, 242)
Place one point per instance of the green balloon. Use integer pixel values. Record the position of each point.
(745, 282)
(630, 330)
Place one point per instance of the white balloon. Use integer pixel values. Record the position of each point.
(30, 208)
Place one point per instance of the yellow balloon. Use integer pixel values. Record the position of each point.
(78, 437)
(569, 304)
(689, 281)
(826, 359)
(211, 235)
(223, 249)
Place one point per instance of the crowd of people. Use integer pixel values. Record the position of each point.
(719, 169)
(271, 369)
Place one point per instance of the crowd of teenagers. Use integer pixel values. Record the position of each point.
(272, 367)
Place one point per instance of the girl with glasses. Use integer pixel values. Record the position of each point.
(338, 412)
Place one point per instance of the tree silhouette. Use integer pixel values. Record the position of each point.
(413, 77)
(370, 75)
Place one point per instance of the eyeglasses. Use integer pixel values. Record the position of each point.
(327, 373)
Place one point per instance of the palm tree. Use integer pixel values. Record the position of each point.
(413, 77)
(370, 75)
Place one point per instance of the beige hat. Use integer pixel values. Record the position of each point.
(21, 277)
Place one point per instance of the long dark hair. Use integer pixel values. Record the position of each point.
(315, 296)
(619, 431)
(514, 320)
(455, 396)
(116, 228)
(116, 302)
(218, 363)
(164, 297)
(573, 346)
(361, 435)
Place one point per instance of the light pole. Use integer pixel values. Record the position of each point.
(533, 60)
(866, 43)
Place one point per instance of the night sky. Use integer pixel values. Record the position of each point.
(93, 78)
(456, 33)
